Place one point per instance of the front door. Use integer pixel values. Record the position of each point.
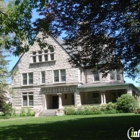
(55, 102)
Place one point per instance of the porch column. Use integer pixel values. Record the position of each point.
(129, 91)
(77, 98)
(103, 98)
(60, 100)
(44, 102)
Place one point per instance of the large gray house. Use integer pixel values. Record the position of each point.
(45, 80)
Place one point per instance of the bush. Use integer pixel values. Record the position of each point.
(126, 103)
(6, 109)
(69, 110)
(23, 112)
(30, 112)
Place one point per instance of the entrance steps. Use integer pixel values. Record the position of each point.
(49, 112)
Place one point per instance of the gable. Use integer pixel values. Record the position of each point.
(60, 56)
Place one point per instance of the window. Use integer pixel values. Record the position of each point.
(43, 76)
(118, 75)
(63, 75)
(112, 75)
(24, 75)
(34, 57)
(56, 76)
(43, 55)
(27, 78)
(96, 76)
(96, 98)
(30, 78)
(59, 75)
(52, 56)
(52, 53)
(27, 99)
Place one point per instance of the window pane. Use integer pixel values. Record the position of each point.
(112, 75)
(45, 51)
(34, 53)
(39, 52)
(34, 59)
(56, 76)
(43, 76)
(40, 58)
(96, 76)
(24, 75)
(52, 56)
(118, 75)
(51, 49)
(30, 78)
(30, 100)
(24, 100)
(46, 57)
(63, 75)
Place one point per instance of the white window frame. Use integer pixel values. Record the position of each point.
(96, 75)
(59, 76)
(112, 75)
(118, 75)
(28, 101)
(43, 55)
(28, 78)
(43, 77)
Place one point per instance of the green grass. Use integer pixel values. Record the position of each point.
(84, 127)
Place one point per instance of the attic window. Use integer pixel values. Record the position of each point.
(43, 55)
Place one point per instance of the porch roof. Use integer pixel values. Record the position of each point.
(104, 86)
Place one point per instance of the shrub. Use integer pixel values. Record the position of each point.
(126, 103)
(111, 111)
(30, 112)
(23, 112)
(69, 110)
(6, 109)
(111, 106)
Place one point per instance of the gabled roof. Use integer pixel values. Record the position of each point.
(57, 40)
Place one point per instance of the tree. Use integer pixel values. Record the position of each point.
(112, 25)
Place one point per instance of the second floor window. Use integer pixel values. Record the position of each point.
(42, 76)
(59, 75)
(118, 75)
(27, 78)
(96, 76)
(112, 75)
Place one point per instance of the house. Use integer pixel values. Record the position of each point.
(45, 80)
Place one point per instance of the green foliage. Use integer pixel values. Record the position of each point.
(109, 108)
(30, 112)
(6, 109)
(69, 110)
(26, 112)
(127, 103)
(23, 112)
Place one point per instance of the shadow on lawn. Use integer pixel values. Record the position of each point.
(94, 128)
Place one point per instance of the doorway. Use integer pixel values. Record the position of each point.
(55, 102)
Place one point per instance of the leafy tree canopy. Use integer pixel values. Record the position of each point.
(98, 33)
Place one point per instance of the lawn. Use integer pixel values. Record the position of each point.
(85, 127)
